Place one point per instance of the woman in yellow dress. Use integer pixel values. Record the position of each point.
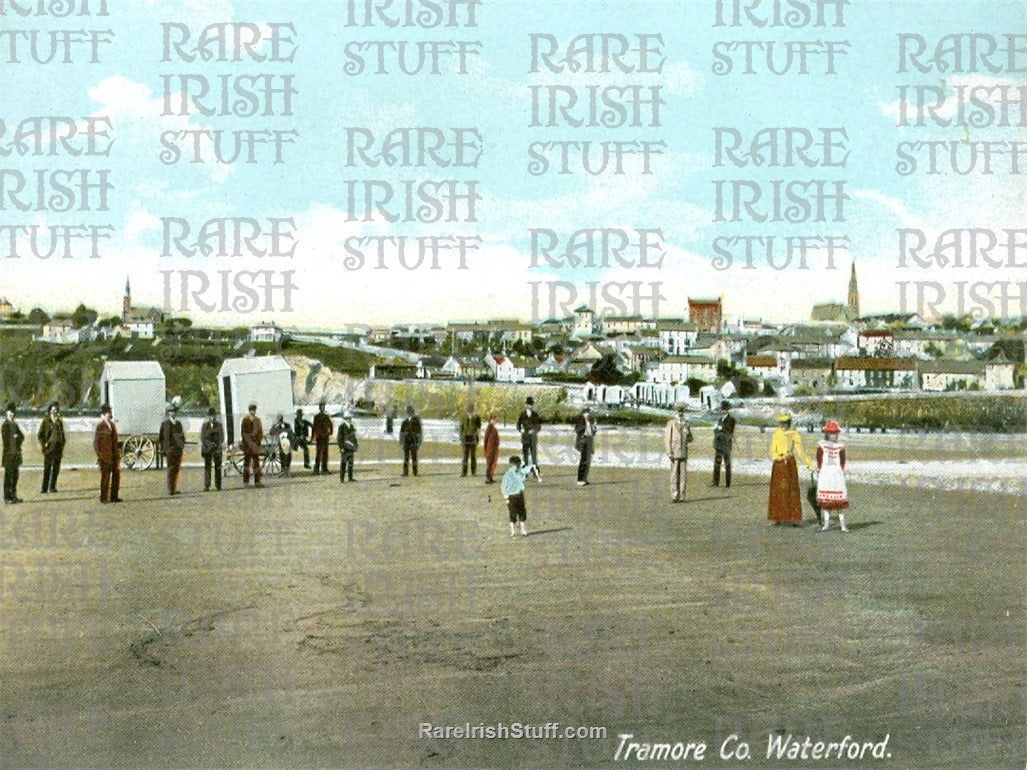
(785, 505)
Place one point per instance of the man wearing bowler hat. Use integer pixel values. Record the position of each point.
(322, 432)
(172, 444)
(410, 436)
(108, 455)
(528, 425)
(12, 441)
(212, 445)
(51, 437)
(252, 438)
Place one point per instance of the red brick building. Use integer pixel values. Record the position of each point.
(706, 314)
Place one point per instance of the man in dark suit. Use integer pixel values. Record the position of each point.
(301, 428)
(172, 443)
(723, 442)
(322, 432)
(251, 441)
(347, 446)
(108, 455)
(52, 439)
(529, 423)
(470, 433)
(12, 441)
(410, 437)
(212, 445)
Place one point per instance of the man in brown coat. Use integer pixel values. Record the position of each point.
(252, 438)
(172, 445)
(108, 455)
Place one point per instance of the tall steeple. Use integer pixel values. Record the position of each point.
(126, 303)
(853, 305)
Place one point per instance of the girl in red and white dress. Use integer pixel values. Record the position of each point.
(832, 494)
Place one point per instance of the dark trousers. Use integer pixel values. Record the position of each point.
(212, 461)
(584, 464)
(51, 467)
(724, 457)
(409, 457)
(470, 453)
(301, 443)
(10, 481)
(515, 505)
(251, 461)
(529, 451)
(321, 457)
(174, 469)
(346, 466)
(110, 482)
(285, 459)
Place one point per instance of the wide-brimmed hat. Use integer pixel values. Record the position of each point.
(212, 411)
(252, 407)
(529, 401)
(11, 406)
(832, 427)
(783, 417)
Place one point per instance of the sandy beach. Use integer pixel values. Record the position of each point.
(317, 624)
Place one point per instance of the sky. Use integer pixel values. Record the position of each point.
(673, 80)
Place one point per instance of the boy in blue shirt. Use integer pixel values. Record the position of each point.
(513, 491)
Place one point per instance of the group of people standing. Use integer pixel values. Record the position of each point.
(51, 437)
(784, 505)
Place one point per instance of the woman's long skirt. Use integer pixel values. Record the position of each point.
(785, 503)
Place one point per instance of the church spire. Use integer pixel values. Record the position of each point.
(853, 304)
(126, 302)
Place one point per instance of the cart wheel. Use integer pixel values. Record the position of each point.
(233, 462)
(272, 464)
(138, 453)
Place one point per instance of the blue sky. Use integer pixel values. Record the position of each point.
(493, 97)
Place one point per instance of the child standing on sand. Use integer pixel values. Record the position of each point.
(832, 493)
(513, 491)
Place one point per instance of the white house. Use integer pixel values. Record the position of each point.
(60, 331)
(675, 369)
(265, 332)
(770, 367)
(998, 373)
(509, 368)
(886, 373)
(677, 337)
(584, 322)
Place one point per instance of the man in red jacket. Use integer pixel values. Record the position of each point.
(252, 438)
(108, 455)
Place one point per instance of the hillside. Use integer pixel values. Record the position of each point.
(32, 373)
